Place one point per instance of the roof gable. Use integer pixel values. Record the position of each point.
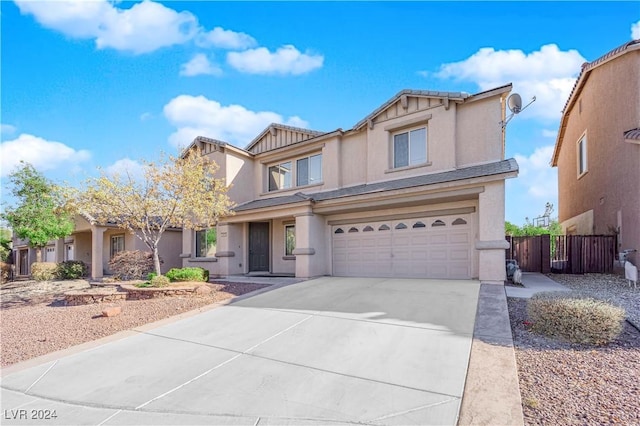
(408, 101)
(278, 136)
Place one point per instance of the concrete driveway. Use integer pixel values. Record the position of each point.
(328, 350)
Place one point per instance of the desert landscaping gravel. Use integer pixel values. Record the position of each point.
(563, 383)
(30, 329)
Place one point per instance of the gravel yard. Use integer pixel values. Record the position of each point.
(564, 383)
(34, 321)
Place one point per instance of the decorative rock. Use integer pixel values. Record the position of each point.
(112, 311)
(203, 289)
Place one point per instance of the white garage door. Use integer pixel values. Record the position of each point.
(433, 247)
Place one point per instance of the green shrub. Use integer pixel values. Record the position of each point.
(159, 281)
(72, 270)
(131, 265)
(150, 276)
(575, 317)
(188, 274)
(43, 271)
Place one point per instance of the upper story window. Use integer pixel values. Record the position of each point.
(206, 242)
(280, 176)
(410, 147)
(582, 155)
(309, 170)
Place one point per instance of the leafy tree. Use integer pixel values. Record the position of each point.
(173, 192)
(40, 215)
(529, 230)
(5, 244)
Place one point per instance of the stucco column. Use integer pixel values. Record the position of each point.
(97, 241)
(491, 243)
(310, 246)
(60, 250)
(229, 249)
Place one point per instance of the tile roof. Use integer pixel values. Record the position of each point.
(495, 168)
(632, 134)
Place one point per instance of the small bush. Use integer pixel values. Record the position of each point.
(575, 317)
(188, 274)
(131, 265)
(44, 271)
(150, 276)
(72, 270)
(159, 281)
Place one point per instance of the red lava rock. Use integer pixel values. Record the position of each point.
(111, 312)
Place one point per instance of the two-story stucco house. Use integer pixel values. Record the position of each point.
(414, 189)
(597, 151)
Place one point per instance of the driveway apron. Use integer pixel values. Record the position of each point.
(329, 350)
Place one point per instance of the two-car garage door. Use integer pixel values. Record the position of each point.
(429, 247)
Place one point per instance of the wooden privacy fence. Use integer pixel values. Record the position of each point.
(569, 254)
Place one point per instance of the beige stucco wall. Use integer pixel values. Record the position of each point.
(608, 105)
(491, 243)
(476, 135)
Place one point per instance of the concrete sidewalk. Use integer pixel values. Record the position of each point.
(534, 282)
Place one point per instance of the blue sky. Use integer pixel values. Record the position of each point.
(87, 84)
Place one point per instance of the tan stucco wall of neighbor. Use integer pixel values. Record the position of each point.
(607, 106)
(581, 224)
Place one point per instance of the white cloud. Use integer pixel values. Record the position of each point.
(146, 116)
(548, 74)
(286, 60)
(635, 30)
(145, 27)
(198, 116)
(225, 39)
(549, 133)
(41, 153)
(126, 167)
(199, 65)
(537, 175)
(7, 129)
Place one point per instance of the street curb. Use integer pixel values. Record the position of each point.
(492, 391)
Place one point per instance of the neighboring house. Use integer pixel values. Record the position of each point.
(95, 245)
(597, 151)
(415, 189)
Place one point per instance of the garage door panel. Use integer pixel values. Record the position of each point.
(405, 248)
(459, 238)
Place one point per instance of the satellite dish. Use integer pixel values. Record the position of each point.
(514, 102)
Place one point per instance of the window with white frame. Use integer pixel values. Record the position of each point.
(309, 170)
(582, 155)
(206, 240)
(116, 244)
(410, 147)
(289, 239)
(280, 176)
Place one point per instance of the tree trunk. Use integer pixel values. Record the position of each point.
(38, 254)
(156, 260)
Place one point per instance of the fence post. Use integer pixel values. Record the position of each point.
(545, 254)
